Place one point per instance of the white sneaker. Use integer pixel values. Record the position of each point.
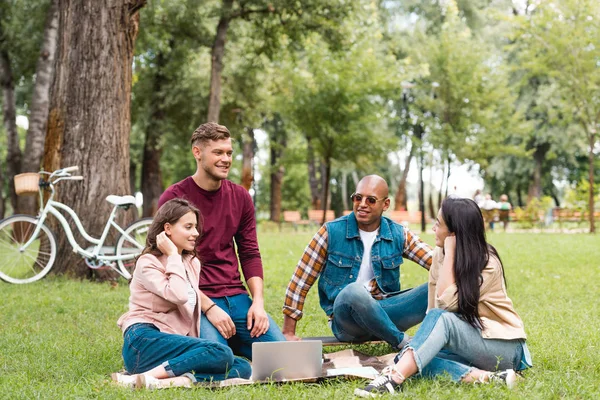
(123, 380)
(148, 382)
(508, 377)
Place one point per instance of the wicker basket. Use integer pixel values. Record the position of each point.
(27, 183)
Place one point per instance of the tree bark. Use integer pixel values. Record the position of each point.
(400, 200)
(218, 52)
(2, 206)
(591, 158)
(344, 188)
(248, 145)
(151, 182)
(278, 142)
(13, 151)
(327, 176)
(89, 117)
(313, 182)
(535, 186)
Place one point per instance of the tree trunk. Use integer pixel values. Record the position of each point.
(591, 158)
(2, 207)
(248, 145)
(400, 200)
(440, 199)
(218, 51)
(13, 151)
(535, 185)
(519, 196)
(313, 182)
(355, 178)
(40, 102)
(345, 196)
(447, 178)
(327, 176)
(278, 142)
(89, 118)
(151, 182)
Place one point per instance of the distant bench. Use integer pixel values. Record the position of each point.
(315, 217)
(403, 216)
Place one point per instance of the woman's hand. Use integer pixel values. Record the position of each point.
(221, 320)
(450, 244)
(165, 245)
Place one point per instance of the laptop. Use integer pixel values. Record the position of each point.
(281, 361)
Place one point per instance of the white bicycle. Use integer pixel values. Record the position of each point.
(28, 247)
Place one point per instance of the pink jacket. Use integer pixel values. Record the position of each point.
(159, 294)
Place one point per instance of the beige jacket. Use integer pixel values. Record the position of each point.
(500, 320)
(159, 293)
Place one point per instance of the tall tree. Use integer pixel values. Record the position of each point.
(173, 32)
(20, 50)
(563, 38)
(89, 118)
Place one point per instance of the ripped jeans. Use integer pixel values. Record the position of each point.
(445, 343)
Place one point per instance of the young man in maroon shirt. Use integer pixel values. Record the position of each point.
(229, 315)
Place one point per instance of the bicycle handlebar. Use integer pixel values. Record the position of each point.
(71, 169)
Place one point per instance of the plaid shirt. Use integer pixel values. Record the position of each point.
(311, 265)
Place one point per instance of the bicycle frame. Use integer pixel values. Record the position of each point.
(51, 208)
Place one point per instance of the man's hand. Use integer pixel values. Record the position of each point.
(289, 329)
(258, 320)
(222, 321)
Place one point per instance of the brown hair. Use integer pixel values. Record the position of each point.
(170, 212)
(209, 131)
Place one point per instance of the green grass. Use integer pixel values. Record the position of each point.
(59, 339)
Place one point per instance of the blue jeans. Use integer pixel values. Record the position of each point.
(358, 317)
(241, 343)
(445, 343)
(146, 347)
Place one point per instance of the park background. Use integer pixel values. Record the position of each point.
(316, 94)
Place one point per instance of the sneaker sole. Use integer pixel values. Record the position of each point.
(364, 393)
(511, 379)
(140, 382)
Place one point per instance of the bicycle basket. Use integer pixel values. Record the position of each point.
(27, 183)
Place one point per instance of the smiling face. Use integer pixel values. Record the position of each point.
(184, 232)
(214, 158)
(372, 191)
(440, 229)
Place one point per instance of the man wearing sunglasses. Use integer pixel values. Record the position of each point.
(357, 260)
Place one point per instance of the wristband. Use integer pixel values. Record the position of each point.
(209, 307)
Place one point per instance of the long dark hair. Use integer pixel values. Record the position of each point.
(170, 212)
(463, 218)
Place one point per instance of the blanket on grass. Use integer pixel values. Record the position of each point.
(348, 364)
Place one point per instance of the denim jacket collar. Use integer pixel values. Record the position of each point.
(385, 232)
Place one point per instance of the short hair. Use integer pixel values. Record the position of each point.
(209, 131)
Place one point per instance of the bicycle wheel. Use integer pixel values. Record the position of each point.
(132, 242)
(25, 265)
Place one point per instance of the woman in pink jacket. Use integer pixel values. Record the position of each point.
(161, 329)
(471, 331)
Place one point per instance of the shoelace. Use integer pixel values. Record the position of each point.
(380, 381)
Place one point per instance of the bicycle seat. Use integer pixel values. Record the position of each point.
(121, 200)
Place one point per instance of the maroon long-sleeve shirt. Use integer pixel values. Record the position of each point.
(227, 214)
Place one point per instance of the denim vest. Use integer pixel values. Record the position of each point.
(344, 256)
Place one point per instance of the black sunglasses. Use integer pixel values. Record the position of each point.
(371, 200)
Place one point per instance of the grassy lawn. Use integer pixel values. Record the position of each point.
(59, 339)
